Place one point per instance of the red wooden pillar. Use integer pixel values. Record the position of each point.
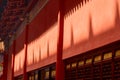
(25, 60)
(13, 58)
(5, 66)
(59, 62)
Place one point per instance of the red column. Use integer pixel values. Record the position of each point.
(13, 58)
(25, 62)
(5, 66)
(59, 62)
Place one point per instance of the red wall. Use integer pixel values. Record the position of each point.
(19, 53)
(42, 31)
(87, 25)
(41, 48)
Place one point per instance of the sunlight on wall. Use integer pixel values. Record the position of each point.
(82, 25)
(118, 1)
(19, 60)
(103, 18)
(53, 39)
(76, 26)
(30, 53)
(44, 46)
(36, 52)
(89, 21)
(91, 25)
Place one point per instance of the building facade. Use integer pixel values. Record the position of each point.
(67, 40)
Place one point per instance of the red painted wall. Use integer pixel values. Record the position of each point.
(88, 24)
(42, 31)
(41, 48)
(19, 54)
